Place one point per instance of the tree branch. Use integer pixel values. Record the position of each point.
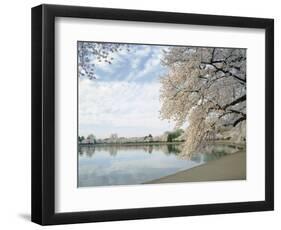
(239, 120)
(238, 100)
(230, 73)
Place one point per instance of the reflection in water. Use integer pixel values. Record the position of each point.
(103, 165)
(167, 149)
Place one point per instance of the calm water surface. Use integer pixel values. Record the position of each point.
(127, 165)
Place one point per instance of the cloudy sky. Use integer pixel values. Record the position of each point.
(124, 99)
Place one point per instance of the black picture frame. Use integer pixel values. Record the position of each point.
(43, 114)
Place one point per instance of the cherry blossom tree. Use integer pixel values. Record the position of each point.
(205, 88)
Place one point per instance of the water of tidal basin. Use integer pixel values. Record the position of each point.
(128, 165)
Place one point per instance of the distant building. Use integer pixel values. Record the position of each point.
(113, 137)
(148, 138)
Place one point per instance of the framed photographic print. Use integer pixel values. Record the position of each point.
(142, 114)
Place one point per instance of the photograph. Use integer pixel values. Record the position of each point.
(140, 114)
(154, 113)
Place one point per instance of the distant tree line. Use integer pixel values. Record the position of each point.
(91, 139)
(174, 135)
(169, 136)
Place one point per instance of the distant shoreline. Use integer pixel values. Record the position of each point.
(217, 142)
(133, 143)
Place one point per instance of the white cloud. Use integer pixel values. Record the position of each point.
(152, 64)
(138, 54)
(135, 55)
(129, 109)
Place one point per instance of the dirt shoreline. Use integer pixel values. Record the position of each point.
(231, 167)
